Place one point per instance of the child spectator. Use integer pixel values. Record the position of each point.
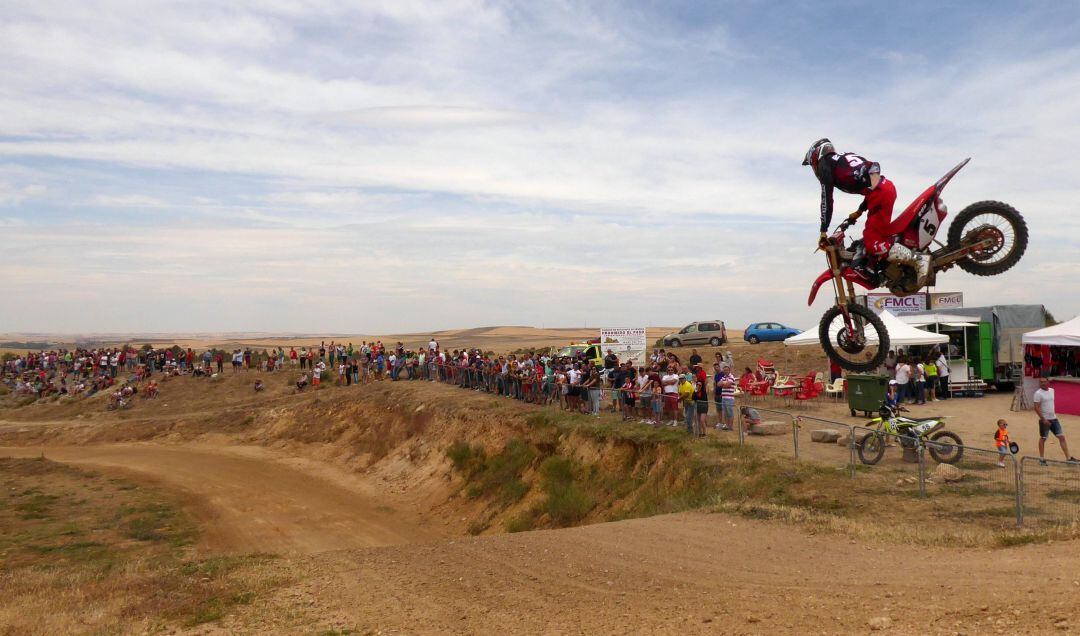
(1001, 439)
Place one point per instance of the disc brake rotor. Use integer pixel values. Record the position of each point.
(850, 343)
(984, 233)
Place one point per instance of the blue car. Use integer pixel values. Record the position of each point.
(768, 331)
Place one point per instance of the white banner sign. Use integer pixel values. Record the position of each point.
(896, 305)
(951, 300)
(627, 343)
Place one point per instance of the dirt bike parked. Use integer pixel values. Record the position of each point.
(946, 446)
(985, 239)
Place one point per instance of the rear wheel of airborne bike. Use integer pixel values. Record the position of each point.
(871, 448)
(993, 220)
(946, 447)
(862, 348)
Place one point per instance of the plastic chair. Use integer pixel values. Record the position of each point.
(836, 389)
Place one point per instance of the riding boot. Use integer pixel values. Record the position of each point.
(904, 256)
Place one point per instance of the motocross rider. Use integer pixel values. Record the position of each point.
(854, 174)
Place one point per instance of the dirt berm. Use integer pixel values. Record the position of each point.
(480, 463)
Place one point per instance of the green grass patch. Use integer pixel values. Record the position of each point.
(567, 501)
(496, 476)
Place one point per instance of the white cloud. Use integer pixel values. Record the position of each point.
(486, 156)
(13, 194)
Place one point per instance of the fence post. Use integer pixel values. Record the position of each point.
(795, 432)
(1018, 472)
(851, 451)
(742, 431)
(922, 467)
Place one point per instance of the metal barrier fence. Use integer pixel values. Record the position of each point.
(963, 477)
(780, 427)
(1050, 491)
(831, 444)
(894, 457)
(1044, 491)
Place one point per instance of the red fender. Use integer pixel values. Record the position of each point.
(848, 274)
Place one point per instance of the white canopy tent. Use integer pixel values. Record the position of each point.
(948, 320)
(901, 334)
(1066, 334)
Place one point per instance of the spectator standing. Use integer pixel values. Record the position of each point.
(1048, 420)
(695, 358)
(919, 370)
(902, 375)
(686, 398)
(725, 386)
(701, 399)
(669, 385)
(943, 377)
(930, 367)
(890, 365)
(835, 372)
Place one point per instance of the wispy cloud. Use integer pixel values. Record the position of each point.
(519, 162)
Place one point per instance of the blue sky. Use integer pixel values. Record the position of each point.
(387, 166)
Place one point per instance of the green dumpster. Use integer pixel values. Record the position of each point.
(866, 392)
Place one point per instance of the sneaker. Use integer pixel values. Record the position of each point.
(1073, 460)
(1001, 464)
(1042, 462)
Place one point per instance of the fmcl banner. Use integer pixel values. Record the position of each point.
(896, 305)
(950, 300)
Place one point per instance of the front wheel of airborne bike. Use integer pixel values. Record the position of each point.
(993, 220)
(871, 448)
(859, 346)
(946, 447)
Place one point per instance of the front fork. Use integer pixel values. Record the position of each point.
(845, 289)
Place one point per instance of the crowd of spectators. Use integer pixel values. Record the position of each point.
(665, 389)
(916, 378)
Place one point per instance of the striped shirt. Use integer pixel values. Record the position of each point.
(726, 392)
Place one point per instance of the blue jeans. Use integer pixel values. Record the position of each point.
(689, 413)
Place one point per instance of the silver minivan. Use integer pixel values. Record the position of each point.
(710, 332)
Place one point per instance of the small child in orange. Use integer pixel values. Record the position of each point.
(1001, 439)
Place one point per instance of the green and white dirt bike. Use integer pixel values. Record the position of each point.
(945, 447)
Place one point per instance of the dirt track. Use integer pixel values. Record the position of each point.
(677, 574)
(688, 572)
(249, 501)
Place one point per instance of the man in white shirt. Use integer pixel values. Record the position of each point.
(943, 377)
(1048, 420)
(902, 376)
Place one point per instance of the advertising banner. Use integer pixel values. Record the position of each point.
(896, 305)
(950, 300)
(627, 343)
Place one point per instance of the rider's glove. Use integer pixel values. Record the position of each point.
(854, 216)
(823, 241)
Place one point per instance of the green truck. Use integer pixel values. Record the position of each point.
(984, 342)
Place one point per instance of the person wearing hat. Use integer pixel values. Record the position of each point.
(892, 398)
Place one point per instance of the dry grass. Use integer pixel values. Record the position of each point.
(82, 552)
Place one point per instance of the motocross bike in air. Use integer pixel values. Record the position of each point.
(945, 447)
(985, 238)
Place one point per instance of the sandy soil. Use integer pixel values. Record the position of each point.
(695, 573)
(675, 573)
(248, 500)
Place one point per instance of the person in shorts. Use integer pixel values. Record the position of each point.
(725, 389)
(627, 394)
(1048, 420)
(1001, 440)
